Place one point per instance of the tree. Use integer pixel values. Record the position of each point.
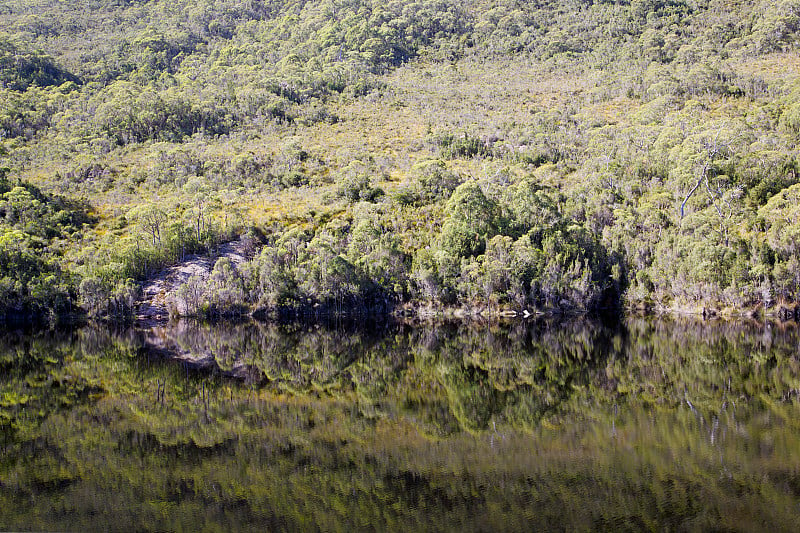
(151, 218)
(472, 218)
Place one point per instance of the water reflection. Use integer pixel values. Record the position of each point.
(476, 426)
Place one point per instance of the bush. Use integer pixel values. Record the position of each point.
(358, 187)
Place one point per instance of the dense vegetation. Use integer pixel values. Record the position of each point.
(481, 154)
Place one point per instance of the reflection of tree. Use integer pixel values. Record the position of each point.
(470, 371)
(402, 426)
(36, 378)
(480, 376)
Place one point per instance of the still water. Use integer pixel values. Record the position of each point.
(568, 425)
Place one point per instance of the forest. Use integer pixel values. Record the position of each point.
(483, 155)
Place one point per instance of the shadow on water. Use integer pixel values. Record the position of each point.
(548, 424)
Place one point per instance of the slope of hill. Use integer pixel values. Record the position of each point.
(495, 154)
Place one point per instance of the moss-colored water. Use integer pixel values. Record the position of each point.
(641, 425)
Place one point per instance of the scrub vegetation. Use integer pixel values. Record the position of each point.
(489, 155)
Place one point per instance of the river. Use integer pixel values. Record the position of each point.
(580, 424)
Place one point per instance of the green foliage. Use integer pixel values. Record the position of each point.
(453, 146)
(431, 182)
(129, 114)
(31, 226)
(534, 209)
(21, 69)
(776, 28)
(589, 153)
(472, 219)
(358, 187)
(226, 288)
(376, 252)
(28, 282)
(110, 298)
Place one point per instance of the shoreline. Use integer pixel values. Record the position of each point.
(782, 313)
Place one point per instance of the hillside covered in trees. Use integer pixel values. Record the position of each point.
(478, 154)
